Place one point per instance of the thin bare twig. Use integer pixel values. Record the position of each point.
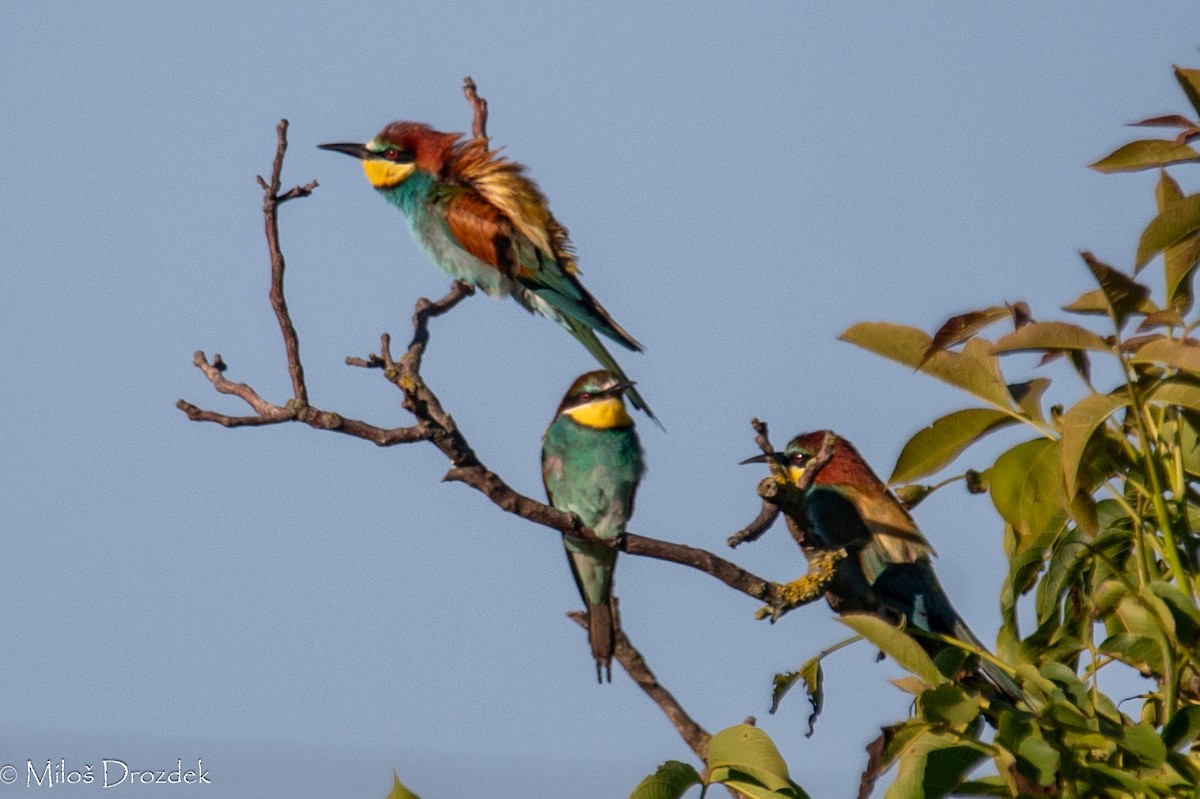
(480, 109)
(271, 201)
(762, 438)
(755, 529)
(695, 736)
(824, 456)
(769, 512)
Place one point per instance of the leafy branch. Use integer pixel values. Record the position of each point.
(1100, 512)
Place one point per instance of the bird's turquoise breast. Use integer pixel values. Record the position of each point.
(416, 199)
(593, 473)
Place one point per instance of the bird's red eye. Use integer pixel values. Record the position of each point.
(585, 396)
(391, 154)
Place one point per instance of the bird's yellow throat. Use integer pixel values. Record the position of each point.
(385, 174)
(602, 413)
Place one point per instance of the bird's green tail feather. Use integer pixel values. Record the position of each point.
(587, 337)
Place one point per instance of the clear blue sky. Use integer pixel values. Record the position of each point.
(743, 181)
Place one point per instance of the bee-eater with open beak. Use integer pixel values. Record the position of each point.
(888, 569)
(591, 465)
(480, 219)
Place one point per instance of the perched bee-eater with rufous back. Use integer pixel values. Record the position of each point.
(591, 465)
(480, 219)
(888, 569)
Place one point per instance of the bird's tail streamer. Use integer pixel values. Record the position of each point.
(996, 675)
(587, 337)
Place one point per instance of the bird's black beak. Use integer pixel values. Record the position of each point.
(349, 148)
(620, 387)
(764, 458)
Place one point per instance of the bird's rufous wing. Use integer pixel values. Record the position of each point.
(481, 229)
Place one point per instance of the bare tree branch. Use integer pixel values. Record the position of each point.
(753, 531)
(479, 106)
(437, 426)
(695, 736)
(271, 201)
(769, 512)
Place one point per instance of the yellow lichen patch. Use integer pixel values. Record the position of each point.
(810, 586)
(602, 413)
(385, 174)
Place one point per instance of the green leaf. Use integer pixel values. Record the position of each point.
(1172, 353)
(896, 644)
(1041, 758)
(398, 790)
(1189, 81)
(1123, 294)
(910, 685)
(1174, 224)
(1167, 317)
(1113, 777)
(984, 786)
(1183, 613)
(754, 784)
(1065, 678)
(1028, 396)
(671, 781)
(1089, 302)
(973, 370)
(1180, 266)
(1079, 424)
(1028, 489)
(1167, 191)
(747, 748)
(1182, 729)
(887, 747)
(1166, 121)
(1179, 260)
(1174, 391)
(950, 705)
(1142, 626)
(958, 329)
(1178, 776)
(782, 682)
(1026, 562)
(1051, 337)
(1185, 430)
(1143, 741)
(1145, 154)
(1146, 615)
(810, 673)
(935, 446)
(933, 766)
(1072, 553)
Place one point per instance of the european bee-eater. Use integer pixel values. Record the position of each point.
(480, 219)
(888, 569)
(591, 465)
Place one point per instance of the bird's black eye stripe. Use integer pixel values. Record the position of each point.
(398, 155)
